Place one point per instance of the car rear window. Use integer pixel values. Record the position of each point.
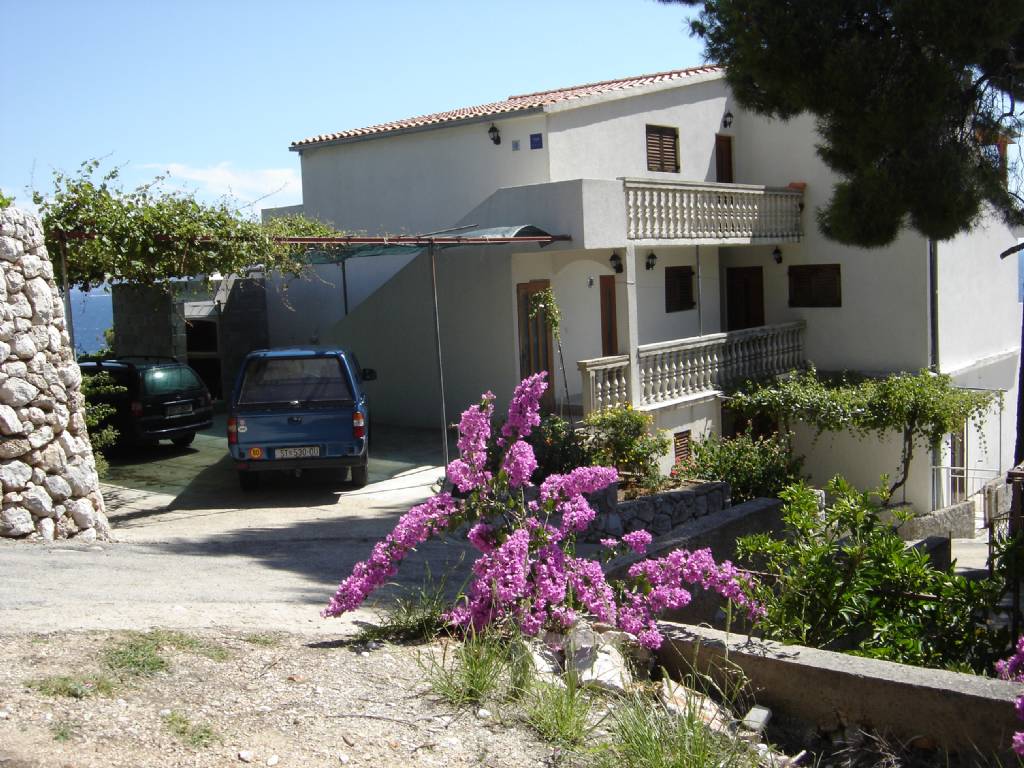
(164, 381)
(290, 379)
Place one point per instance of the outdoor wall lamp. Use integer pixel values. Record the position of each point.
(651, 261)
(493, 133)
(727, 120)
(777, 255)
(616, 261)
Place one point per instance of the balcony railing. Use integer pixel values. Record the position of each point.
(674, 370)
(657, 210)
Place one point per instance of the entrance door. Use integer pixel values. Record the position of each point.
(723, 159)
(535, 342)
(744, 297)
(609, 326)
(957, 466)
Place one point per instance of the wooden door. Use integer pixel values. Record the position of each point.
(535, 342)
(723, 159)
(744, 297)
(609, 320)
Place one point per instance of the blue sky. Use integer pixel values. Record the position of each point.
(215, 91)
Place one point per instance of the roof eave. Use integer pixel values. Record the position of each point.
(295, 147)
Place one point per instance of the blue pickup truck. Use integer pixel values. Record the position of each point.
(300, 408)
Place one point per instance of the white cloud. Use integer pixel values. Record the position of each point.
(262, 187)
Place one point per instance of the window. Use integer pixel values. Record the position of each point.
(681, 446)
(815, 285)
(662, 149)
(679, 289)
(288, 379)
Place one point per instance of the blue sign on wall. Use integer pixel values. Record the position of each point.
(536, 141)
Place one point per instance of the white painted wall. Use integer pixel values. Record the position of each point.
(607, 139)
(418, 182)
(655, 324)
(702, 417)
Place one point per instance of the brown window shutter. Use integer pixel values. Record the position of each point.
(679, 289)
(662, 149)
(815, 285)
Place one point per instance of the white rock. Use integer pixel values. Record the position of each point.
(36, 416)
(57, 487)
(596, 663)
(11, 448)
(51, 458)
(41, 298)
(15, 521)
(6, 331)
(40, 437)
(81, 512)
(37, 501)
(343, 758)
(483, 713)
(79, 478)
(273, 760)
(10, 424)
(245, 756)
(31, 265)
(16, 392)
(18, 304)
(45, 527)
(686, 702)
(14, 475)
(11, 249)
(5, 349)
(71, 375)
(88, 536)
(165, 713)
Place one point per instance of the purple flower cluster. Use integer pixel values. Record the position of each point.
(415, 527)
(524, 410)
(519, 464)
(1013, 669)
(526, 571)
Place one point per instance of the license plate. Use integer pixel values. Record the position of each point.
(305, 452)
(179, 409)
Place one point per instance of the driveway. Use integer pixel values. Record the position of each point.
(194, 550)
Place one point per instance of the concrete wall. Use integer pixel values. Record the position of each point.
(418, 182)
(148, 320)
(961, 713)
(607, 139)
(393, 332)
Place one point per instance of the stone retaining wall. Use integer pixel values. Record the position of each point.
(47, 473)
(658, 513)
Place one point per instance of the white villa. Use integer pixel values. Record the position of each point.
(693, 260)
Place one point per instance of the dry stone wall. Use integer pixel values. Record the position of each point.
(47, 472)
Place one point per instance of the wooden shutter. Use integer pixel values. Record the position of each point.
(681, 445)
(662, 149)
(815, 285)
(679, 289)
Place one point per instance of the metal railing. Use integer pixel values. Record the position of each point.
(667, 210)
(958, 484)
(673, 370)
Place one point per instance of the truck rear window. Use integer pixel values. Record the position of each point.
(288, 379)
(163, 381)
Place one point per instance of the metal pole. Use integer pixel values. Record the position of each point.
(68, 319)
(700, 299)
(440, 365)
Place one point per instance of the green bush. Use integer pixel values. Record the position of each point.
(98, 411)
(842, 579)
(5, 201)
(753, 466)
(621, 437)
(558, 447)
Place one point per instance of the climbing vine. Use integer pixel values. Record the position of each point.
(922, 407)
(150, 234)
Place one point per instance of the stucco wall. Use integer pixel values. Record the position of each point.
(418, 182)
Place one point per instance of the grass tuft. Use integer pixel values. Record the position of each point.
(194, 735)
(415, 615)
(135, 655)
(559, 713)
(646, 735)
(262, 639)
(471, 673)
(63, 730)
(65, 686)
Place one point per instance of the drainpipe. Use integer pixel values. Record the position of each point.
(632, 331)
(933, 353)
(700, 298)
(440, 366)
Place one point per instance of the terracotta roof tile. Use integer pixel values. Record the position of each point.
(511, 104)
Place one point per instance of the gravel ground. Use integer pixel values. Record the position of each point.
(281, 699)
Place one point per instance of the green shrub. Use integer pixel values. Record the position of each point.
(752, 466)
(96, 389)
(842, 579)
(5, 201)
(621, 437)
(558, 447)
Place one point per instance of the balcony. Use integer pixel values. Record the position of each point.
(713, 213)
(672, 371)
